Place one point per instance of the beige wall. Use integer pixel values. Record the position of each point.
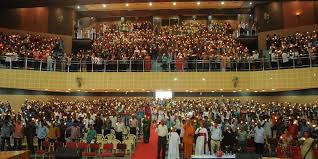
(17, 100)
(283, 32)
(287, 79)
(66, 39)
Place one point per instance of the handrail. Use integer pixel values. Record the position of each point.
(208, 65)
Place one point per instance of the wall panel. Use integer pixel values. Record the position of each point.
(287, 79)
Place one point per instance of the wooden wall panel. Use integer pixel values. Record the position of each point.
(304, 9)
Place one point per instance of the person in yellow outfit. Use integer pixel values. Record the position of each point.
(52, 134)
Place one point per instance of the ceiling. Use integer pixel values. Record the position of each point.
(63, 3)
(164, 5)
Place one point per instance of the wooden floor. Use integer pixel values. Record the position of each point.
(14, 154)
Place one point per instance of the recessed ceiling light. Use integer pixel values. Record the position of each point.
(203, 79)
(315, 74)
(143, 89)
(174, 3)
(127, 4)
(46, 89)
(93, 89)
(234, 91)
(222, 2)
(104, 5)
(250, 15)
(273, 89)
(69, 89)
(78, 90)
(175, 79)
(247, 89)
(78, 7)
(198, 3)
(240, 90)
(270, 78)
(263, 90)
(212, 91)
(255, 91)
(221, 89)
(117, 89)
(150, 3)
(251, 3)
(106, 91)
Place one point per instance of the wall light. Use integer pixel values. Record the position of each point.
(198, 3)
(104, 5)
(298, 13)
(174, 3)
(222, 2)
(127, 4)
(150, 3)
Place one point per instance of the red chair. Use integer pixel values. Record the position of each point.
(82, 146)
(46, 146)
(71, 145)
(296, 152)
(316, 152)
(120, 150)
(279, 152)
(107, 151)
(58, 145)
(93, 151)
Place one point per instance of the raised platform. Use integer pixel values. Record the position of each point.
(15, 155)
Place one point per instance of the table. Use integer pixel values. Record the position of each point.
(15, 155)
(212, 157)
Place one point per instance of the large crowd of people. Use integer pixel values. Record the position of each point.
(184, 47)
(200, 125)
(294, 50)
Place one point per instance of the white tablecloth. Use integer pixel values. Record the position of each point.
(212, 156)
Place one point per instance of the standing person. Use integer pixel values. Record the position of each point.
(6, 129)
(307, 147)
(188, 139)
(229, 139)
(62, 130)
(216, 137)
(91, 134)
(52, 133)
(174, 142)
(119, 128)
(259, 139)
(18, 134)
(133, 125)
(146, 129)
(98, 124)
(41, 132)
(107, 125)
(201, 146)
(162, 132)
(75, 131)
(29, 132)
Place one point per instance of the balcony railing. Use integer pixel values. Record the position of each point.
(158, 65)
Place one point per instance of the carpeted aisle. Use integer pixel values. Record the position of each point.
(147, 151)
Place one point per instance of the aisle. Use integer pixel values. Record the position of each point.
(147, 151)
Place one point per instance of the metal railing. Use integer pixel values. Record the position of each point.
(158, 65)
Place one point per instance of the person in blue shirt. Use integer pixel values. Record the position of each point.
(6, 129)
(41, 131)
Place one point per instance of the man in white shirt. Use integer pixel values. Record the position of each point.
(119, 128)
(216, 137)
(162, 132)
(259, 139)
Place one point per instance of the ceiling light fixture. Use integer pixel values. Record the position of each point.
(175, 79)
(198, 3)
(127, 4)
(78, 7)
(251, 3)
(174, 3)
(104, 5)
(222, 2)
(150, 3)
